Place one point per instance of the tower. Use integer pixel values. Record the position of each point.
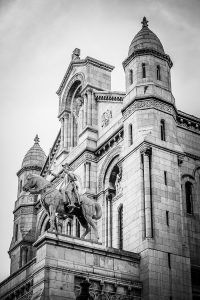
(21, 250)
(152, 195)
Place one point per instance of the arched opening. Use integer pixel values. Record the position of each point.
(16, 232)
(143, 70)
(162, 130)
(158, 72)
(20, 186)
(69, 228)
(76, 121)
(78, 229)
(130, 134)
(114, 189)
(131, 76)
(188, 197)
(120, 227)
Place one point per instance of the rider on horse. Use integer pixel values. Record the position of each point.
(68, 188)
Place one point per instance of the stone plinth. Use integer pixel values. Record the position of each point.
(63, 262)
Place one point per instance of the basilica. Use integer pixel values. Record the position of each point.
(137, 156)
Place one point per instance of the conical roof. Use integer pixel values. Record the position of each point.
(145, 39)
(35, 155)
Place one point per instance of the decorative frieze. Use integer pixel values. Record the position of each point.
(108, 96)
(188, 123)
(115, 139)
(147, 51)
(146, 104)
(100, 289)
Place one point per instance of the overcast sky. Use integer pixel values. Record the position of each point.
(37, 38)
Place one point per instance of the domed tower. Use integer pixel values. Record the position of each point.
(21, 250)
(147, 67)
(151, 168)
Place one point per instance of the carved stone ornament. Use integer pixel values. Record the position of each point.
(149, 104)
(105, 118)
(78, 102)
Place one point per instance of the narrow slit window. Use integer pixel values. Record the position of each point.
(20, 187)
(131, 76)
(78, 231)
(69, 228)
(162, 130)
(16, 232)
(120, 227)
(130, 134)
(143, 70)
(169, 260)
(165, 177)
(167, 217)
(158, 72)
(188, 196)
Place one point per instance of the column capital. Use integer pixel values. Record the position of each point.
(180, 159)
(146, 150)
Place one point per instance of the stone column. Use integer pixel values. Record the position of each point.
(147, 192)
(89, 108)
(69, 131)
(85, 110)
(65, 131)
(87, 166)
(62, 132)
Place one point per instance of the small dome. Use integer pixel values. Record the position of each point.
(35, 156)
(145, 39)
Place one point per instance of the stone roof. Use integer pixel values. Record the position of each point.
(35, 155)
(145, 39)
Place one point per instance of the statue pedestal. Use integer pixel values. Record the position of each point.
(63, 262)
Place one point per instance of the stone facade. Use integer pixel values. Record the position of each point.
(136, 155)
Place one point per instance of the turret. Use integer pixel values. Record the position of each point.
(147, 67)
(21, 250)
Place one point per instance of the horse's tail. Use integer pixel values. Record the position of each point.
(98, 212)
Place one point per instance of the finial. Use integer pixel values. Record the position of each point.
(144, 22)
(76, 54)
(36, 139)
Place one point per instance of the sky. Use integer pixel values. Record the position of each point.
(37, 38)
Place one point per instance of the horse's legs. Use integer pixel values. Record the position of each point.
(52, 216)
(87, 230)
(91, 222)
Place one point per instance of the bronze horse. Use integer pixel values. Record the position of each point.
(52, 201)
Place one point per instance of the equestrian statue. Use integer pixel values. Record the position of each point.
(65, 202)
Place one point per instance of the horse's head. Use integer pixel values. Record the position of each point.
(30, 183)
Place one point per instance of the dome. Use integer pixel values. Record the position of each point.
(35, 156)
(145, 39)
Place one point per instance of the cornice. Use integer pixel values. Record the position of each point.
(28, 168)
(31, 262)
(188, 122)
(109, 96)
(146, 103)
(87, 60)
(147, 51)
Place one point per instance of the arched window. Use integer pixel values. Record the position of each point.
(188, 197)
(130, 134)
(120, 227)
(78, 229)
(131, 76)
(16, 232)
(162, 130)
(24, 256)
(158, 72)
(20, 186)
(143, 70)
(75, 132)
(69, 228)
